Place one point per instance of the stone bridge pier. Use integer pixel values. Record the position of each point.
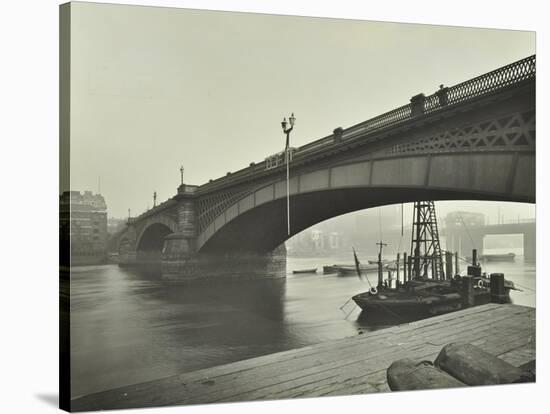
(181, 245)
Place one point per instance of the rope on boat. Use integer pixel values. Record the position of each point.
(460, 257)
(525, 287)
(346, 303)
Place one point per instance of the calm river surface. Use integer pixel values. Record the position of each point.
(128, 328)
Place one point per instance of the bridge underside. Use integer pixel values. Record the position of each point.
(150, 245)
(263, 228)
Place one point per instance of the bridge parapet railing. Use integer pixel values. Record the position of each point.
(152, 211)
(389, 118)
(316, 144)
(497, 79)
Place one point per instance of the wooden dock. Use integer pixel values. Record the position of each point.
(353, 365)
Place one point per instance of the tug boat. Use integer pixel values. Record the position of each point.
(426, 297)
(422, 295)
(416, 297)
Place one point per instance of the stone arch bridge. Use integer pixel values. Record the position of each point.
(474, 141)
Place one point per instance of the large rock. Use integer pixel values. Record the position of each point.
(407, 374)
(473, 366)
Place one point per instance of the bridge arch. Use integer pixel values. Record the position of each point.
(257, 221)
(124, 243)
(150, 240)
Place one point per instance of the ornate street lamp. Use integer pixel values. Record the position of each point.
(181, 172)
(287, 131)
(291, 120)
(154, 199)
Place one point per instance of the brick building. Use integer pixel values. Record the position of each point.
(83, 226)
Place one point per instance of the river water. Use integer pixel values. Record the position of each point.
(128, 328)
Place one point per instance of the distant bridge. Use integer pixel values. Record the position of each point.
(464, 239)
(471, 141)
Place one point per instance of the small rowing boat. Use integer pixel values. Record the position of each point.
(301, 271)
(506, 257)
(352, 270)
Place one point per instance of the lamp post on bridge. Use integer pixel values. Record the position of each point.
(181, 173)
(154, 199)
(287, 131)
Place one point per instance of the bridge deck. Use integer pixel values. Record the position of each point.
(353, 365)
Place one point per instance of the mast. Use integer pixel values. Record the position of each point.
(425, 246)
(380, 274)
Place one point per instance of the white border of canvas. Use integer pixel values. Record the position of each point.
(29, 168)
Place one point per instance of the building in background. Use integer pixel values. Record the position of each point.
(318, 238)
(334, 240)
(83, 225)
(316, 241)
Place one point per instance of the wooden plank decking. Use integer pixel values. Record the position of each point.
(353, 365)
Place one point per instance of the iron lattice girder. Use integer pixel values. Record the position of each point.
(425, 246)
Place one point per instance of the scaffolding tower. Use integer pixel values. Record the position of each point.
(425, 247)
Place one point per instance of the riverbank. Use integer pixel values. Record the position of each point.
(353, 365)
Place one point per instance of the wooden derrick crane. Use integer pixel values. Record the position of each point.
(425, 247)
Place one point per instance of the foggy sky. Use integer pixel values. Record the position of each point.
(154, 88)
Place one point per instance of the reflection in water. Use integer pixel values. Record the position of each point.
(128, 328)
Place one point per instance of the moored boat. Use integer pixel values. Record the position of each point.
(429, 286)
(332, 268)
(301, 271)
(430, 299)
(427, 297)
(348, 270)
(352, 270)
(505, 257)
